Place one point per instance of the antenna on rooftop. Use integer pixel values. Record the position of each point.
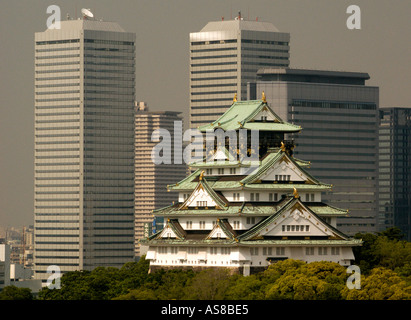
(87, 14)
(239, 16)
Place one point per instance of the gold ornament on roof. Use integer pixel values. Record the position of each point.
(202, 175)
(263, 97)
(282, 146)
(235, 98)
(295, 193)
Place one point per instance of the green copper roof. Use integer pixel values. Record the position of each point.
(205, 163)
(219, 199)
(326, 210)
(269, 161)
(247, 209)
(251, 181)
(255, 230)
(241, 115)
(236, 185)
(229, 242)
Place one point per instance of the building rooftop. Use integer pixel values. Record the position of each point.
(309, 75)
(86, 24)
(239, 24)
(244, 114)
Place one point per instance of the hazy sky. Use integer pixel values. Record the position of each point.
(319, 39)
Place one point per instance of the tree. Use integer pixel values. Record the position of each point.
(392, 233)
(297, 280)
(365, 256)
(381, 284)
(139, 294)
(15, 293)
(392, 254)
(209, 284)
(245, 288)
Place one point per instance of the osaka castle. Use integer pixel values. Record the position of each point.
(246, 215)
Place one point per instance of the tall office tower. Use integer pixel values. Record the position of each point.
(395, 169)
(151, 179)
(224, 56)
(84, 146)
(339, 114)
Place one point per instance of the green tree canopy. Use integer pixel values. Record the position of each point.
(15, 293)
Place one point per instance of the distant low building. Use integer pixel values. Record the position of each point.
(4, 265)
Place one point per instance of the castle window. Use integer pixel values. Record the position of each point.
(295, 228)
(254, 196)
(254, 251)
(267, 251)
(192, 250)
(280, 251)
(162, 249)
(202, 224)
(189, 224)
(273, 197)
(309, 251)
(201, 203)
(322, 251)
(335, 251)
(225, 251)
(250, 220)
(233, 170)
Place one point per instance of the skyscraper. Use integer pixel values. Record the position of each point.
(339, 116)
(151, 179)
(84, 146)
(395, 169)
(224, 56)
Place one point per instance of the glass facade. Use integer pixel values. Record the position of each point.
(395, 169)
(339, 119)
(84, 146)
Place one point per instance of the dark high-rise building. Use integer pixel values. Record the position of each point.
(338, 112)
(395, 169)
